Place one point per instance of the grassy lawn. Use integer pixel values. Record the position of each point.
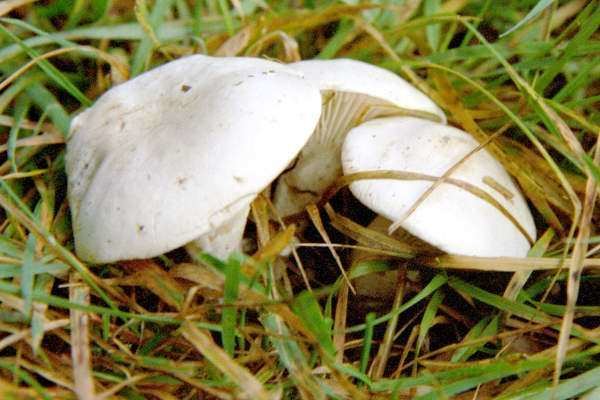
(522, 77)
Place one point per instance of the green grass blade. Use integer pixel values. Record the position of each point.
(49, 69)
(367, 342)
(307, 308)
(570, 388)
(432, 31)
(531, 15)
(48, 103)
(230, 296)
(21, 110)
(142, 55)
(498, 302)
(224, 6)
(428, 317)
(588, 28)
(27, 276)
(431, 287)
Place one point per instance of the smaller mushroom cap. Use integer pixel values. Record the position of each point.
(450, 218)
(180, 150)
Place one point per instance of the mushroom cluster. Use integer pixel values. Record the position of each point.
(176, 156)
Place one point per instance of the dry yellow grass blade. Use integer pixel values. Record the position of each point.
(368, 238)
(276, 245)
(237, 43)
(9, 390)
(396, 224)
(151, 276)
(80, 341)
(25, 333)
(6, 120)
(9, 5)
(339, 325)
(213, 280)
(112, 60)
(383, 354)
(248, 386)
(506, 264)
(315, 217)
(576, 266)
(406, 175)
(291, 53)
(260, 213)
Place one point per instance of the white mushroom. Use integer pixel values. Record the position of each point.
(179, 153)
(353, 92)
(452, 217)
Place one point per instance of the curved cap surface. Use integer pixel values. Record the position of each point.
(450, 218)
(175, 152)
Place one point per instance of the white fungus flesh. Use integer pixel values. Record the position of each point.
(180, 151)
(353, 92)
(455, 220)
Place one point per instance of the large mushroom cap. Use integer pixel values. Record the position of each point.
(177, 151)
(451, 218)
(353, 92)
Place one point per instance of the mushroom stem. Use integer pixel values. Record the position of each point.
(223, 240)
(319, 164)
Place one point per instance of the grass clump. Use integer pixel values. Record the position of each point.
(522, 77)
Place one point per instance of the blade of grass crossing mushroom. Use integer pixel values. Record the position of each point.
(229, 313)
(315, 217)
(405, 175)
(561, 126)
(576, 266)
(536, 185)
(248, 386)
(80, 344)
(521, 124)
(396, 224)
